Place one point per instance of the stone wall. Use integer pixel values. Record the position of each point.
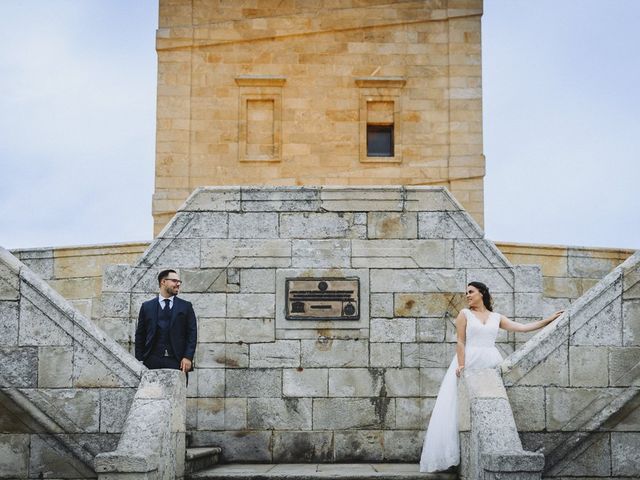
(65, 386)
(270, 389)
(280, 93)
(574, 386)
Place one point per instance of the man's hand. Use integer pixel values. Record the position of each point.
(185, 365)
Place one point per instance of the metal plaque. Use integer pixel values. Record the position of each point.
(323, 298)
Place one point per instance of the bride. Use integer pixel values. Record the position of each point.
(477, 328)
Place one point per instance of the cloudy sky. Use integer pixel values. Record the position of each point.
(561, 121)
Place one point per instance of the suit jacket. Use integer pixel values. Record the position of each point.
(183, 329)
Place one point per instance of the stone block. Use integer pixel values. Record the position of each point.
(624, 366)
(630, 322)
(402, 446)
(50, 457)
(119, 329)
(428, 304)
(624, 453)
(499, 280)
(253, 225)
(89, 370)
(76, 410)
(55, 367)
(8, 287)
(211, 330)
(116, 304)
(364, 199)
(474, 253)
(359, 446)
(356, 382)
(568, 409)
(385, 355)
(527, 405)
(595, 303)
(239, 446)
(588, 366)
(212, 305)
(210, 413)
(429, 199)
(19, 367)
(603, 328)
(355, 413)
(321, 253)
(279, 413)
(320, 226)
(592, 460)
(393, 330)
(178, 252)
(205, 280)
(250, 330)
(258, 280)
(402, 382)
(114, 408)
(431, 329)
(528, 278)
(386, 225)
(552, 370)
(414, 413)
(245, 253)
(430, 380)
(14, 455)
(308, 382)
(205, 225)
(381, 305)
(253, 383)
(235, 413)
(37, 327)
(302, 447)
(327, 352)
(447, 224)
(210, 382)
(281, 199)
(402, 254)
(251, 305)
(528, 304)
(561, 287)
(216, 199)
(504, 303)
(581, 264)
(9, 323)
(39, 261)
(281, 353)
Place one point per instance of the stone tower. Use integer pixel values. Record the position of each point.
(347, 92)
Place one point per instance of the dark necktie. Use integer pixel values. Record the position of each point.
(167, 308)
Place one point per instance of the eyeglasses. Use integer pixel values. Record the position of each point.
(174, 280)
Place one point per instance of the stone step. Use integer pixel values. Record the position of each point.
(197, 459)
(314, 471)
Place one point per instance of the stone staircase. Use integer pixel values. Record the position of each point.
(202, 458)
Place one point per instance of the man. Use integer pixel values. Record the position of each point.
(166, 333)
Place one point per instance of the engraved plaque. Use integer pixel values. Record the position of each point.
(323, 298)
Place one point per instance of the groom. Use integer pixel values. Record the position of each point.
(166, 333)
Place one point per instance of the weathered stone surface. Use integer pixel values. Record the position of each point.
(406, 254)
(55, 367)
(504, 303)
(624, 453)
(363, 446)
(253, 225)
(588, 366)
(38, 328)
(9, 323)
(279, 413)
(251, 305)
(39, 261)
(414, 413)
(580, 264)
(245, 253)
(239, 446)
(116, 304)
(205, 280)
(528, 278)
(593, 459)
(206, 225)
(235, 413)
(387, 225)
(78, 410)
(381, 305)
(207, 304)
(337, 199)
(254, 383)
(356, 382)
(393, 330)
(220, 355)
(499, 280)
(528, 304)
(447, 224)
(308, 382)
(624, 366)
(47, 455)
(250, 330)
(14, 456)
(402, 446)
(211, 330)
(475, 253)
(631, 322)
(587, 307)
(213, 199)
(402, 382)
(326, 352)
(258, 280)
(604, 328)
(385, 355)
(302, 447)
(281, 199)
(210, 382)
(569, 408)
(431, 329)
(178, 252)
(321, 253)
(553, 370)
(18, 366)
(428, 304)
(210, 413)
(430, 380)
(356, 413)
(114, 407)
(281, 353)
(320, 226)
(90, 371)
(527, 404)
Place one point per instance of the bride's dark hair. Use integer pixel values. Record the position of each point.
(486, 296)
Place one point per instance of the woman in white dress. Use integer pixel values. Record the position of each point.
(477, 328)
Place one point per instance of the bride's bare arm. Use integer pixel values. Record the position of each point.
(512, 326)
(461, 332)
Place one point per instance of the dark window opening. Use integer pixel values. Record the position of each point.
(379, 140)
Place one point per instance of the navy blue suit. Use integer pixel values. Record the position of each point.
(183, 330)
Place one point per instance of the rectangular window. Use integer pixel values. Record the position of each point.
(380, 140)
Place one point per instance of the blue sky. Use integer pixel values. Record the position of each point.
(561, 123)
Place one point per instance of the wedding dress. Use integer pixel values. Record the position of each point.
(441, 448)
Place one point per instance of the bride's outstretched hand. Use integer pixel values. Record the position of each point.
(459, 370)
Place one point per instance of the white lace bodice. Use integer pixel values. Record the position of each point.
(479, 334)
